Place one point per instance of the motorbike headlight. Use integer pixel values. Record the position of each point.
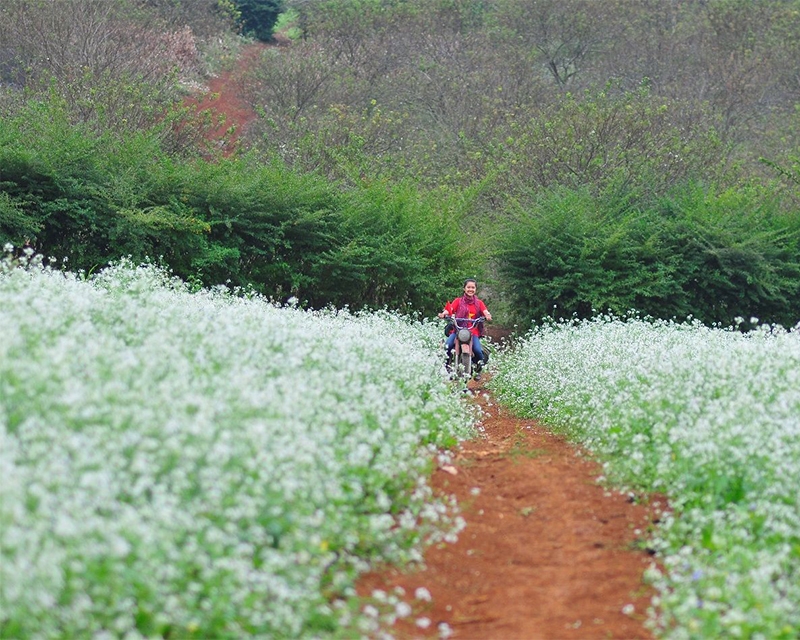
(464, 335)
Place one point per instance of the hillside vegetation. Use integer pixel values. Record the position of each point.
(577, 156)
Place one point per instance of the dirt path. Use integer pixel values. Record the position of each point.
(547, 553)
(229, 111)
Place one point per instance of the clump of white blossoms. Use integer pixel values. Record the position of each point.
(709, 417)
(201, 464)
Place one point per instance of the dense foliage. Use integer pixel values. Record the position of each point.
(480, 112)
(258, 17)
(692, 252)
(91, 199)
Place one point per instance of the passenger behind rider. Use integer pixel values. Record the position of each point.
(469, 306)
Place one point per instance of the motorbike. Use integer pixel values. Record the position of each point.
(464, 361)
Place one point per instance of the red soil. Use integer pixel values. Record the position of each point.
(547, 553)
(230, 112)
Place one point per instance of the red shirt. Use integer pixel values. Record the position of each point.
(475, 308)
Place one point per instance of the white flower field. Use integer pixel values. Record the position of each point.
(709, 418)
(198, 464)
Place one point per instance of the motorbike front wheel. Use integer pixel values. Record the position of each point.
(466, 364)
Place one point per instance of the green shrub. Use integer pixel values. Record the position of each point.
(242, 222)
(16, 225)
(267, 225)
(258, 17)
(90, 198)
(571, 254)
(713, 256)
(292, 235)
(737, 253)
(397, 248)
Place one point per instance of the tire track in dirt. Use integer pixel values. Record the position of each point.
(547, 552)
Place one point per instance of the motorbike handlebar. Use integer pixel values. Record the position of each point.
(466, 323)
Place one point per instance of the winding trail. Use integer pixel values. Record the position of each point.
(547, 553)
(223, 101)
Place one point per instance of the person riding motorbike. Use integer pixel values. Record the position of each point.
(468, 306)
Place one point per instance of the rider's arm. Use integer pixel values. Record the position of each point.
(486, 313)
(447, 311)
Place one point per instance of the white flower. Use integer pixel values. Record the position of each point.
(421, 593)
(202, 439)
(371, 611)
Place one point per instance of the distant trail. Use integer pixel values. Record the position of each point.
(224, 101)
(547, 553)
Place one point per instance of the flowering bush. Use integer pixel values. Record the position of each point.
(707, 416)
(206, 465)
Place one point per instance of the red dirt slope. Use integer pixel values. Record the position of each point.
(230, 112)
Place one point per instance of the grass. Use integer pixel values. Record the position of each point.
(520, 447)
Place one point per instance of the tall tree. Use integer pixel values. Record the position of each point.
(259, 17)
